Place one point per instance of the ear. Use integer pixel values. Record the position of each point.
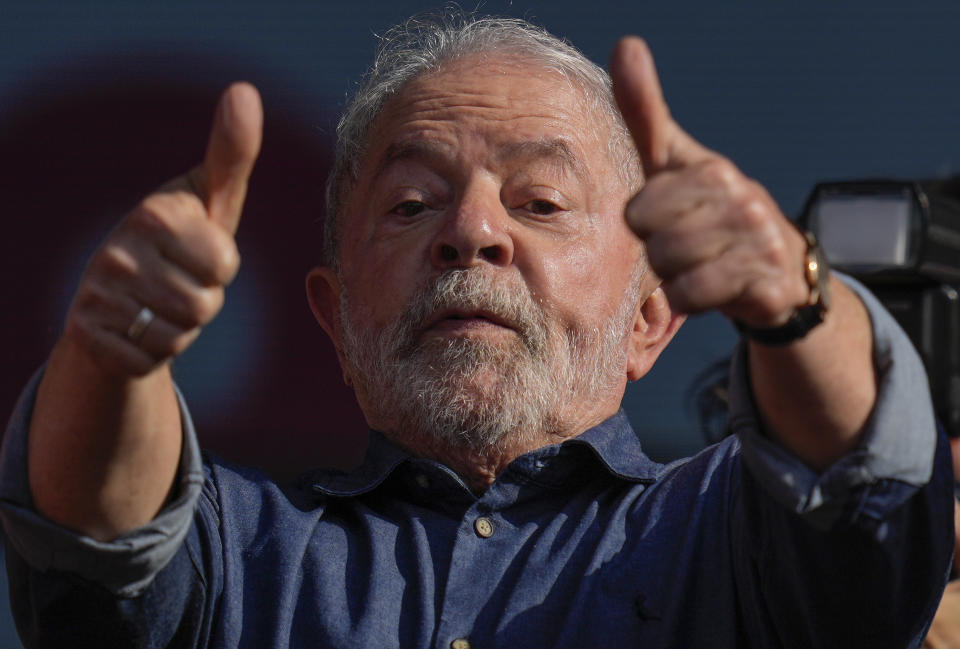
(654, 325)
(323, 294)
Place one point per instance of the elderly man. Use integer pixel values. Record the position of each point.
(488, 302)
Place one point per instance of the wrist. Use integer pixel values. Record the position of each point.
(816, 273)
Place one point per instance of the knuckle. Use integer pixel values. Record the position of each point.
(208, 304)
(772, 248)
(198, 307)
(767, 297)
(176, 304)
(770, 300)
(753, 213)
(187, 203)
(214, 258)
(767, 303)
(720, 172)
(153, 217)
(189, 312)
(224, 261)
(163, 213)
(186, 305)
(90, 295)
(114, 260)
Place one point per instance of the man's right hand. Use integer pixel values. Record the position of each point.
(167, 263)
(105, 434)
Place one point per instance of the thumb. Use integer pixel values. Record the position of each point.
(232, 149)
(660, 141)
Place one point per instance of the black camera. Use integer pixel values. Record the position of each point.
(902, 240)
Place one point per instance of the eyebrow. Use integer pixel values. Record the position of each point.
(554, 150)
(426, 150)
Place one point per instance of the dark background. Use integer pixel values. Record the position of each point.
(102, 101)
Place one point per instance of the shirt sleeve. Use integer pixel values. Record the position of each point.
(898, 444)
(856, 555)
(125, 565)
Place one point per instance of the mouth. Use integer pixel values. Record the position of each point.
(464, 321)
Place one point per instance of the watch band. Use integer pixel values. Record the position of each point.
(805, 318)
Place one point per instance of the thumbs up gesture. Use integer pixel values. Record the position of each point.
(715, 237)
(160, 275)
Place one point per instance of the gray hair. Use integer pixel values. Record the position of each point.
(421, 45)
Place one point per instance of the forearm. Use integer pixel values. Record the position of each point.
(103, 448)
(815, 395)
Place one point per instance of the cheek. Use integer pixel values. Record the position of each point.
(588, 277)
(384, 273)
(581, 284)
(379, 291)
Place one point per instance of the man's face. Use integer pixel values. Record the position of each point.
(488, 278)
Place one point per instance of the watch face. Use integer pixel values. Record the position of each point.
(817, 273)
(823, 278)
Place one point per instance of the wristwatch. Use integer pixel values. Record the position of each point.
(805, 318)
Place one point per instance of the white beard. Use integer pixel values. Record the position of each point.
(469, 393)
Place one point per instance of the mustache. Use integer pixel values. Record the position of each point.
(474, 289)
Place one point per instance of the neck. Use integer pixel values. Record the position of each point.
(479, 467)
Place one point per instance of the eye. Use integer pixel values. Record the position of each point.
(408, 209)
(541, 207)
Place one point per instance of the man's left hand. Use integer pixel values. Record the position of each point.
(718, 241)
(715, 237)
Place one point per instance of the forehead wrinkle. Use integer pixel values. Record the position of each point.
(424, 150)
(450, 109)
(555, 151)
(422, 104)
(429, 102)
(429, 97)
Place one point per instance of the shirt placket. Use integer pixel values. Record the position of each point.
(484, 542)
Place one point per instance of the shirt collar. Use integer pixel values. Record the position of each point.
(380, 460)
(616, 445)
(613, 442)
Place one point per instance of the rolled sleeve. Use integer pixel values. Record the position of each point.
(125, 565)
(898, 443)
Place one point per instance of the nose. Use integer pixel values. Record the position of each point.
(475, 231)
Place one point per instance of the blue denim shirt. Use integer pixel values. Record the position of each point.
(582, 544)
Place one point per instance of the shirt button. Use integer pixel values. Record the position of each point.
(422, 480)
(484, 528)
(460, 643)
